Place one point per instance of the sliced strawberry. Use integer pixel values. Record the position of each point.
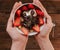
(17, 22)
(36, 28)
(41, 21)
(40, 13)
(18, 12)
(24, 8)
(25, 31)
(30, 6)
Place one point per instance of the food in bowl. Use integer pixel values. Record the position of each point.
(29, 16)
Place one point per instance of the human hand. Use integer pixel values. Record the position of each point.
(47, 27)
(43, 37)
(14, 34)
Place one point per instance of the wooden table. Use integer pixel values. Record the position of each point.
(53, 8)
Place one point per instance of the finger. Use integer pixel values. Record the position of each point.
(9, 24)
(13, 10)
(16, 5)
(20, 2)
(39, 4)
(24, 30)
(49, 20)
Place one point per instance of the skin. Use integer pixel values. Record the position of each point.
(19, 41)
(43, 37)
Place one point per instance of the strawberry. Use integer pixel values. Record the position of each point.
(24, 8)
(30, 6)
(18, 12)
(36, 28)
(17, 22)
(41, 21)
(25, 31)
(40, 13)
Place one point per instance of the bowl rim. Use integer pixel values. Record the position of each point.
(23, 5)
(31, 33)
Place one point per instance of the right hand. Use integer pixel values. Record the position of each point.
(47, 27)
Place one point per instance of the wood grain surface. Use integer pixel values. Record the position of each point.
(52, 7)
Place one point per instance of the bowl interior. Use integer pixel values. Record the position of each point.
(20, 7)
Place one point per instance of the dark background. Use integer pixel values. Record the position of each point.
(53, 8)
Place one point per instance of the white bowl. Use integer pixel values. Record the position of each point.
(31, 33)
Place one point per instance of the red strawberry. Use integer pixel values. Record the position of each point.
(36, 28)
(24, 8)
(18, 12)
(30, 6)
(24, 30)
(40, 13)
(17, 22)
(41, 21)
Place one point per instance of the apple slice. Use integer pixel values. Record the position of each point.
(36, 28)
(41, 21)
(24, 30)
(17, 22)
